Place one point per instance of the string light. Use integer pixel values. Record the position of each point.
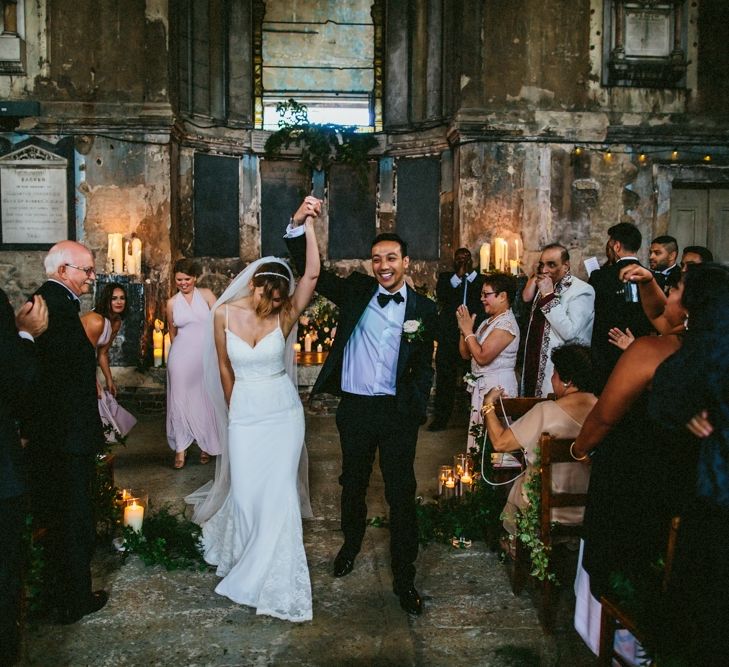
(643, 158)
(707, 158)
(578, 151)
(674, 154)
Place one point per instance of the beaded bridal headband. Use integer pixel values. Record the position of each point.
(271, 273)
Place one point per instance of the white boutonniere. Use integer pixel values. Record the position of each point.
(412, 330)
(470, 380)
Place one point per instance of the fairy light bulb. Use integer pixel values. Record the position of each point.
(674, 154)
(578, 150)
(642, 158)
(707, 158)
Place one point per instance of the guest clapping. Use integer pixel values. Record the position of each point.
(493, 346)
(190, 414)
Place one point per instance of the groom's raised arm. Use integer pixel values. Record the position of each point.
(329, 284)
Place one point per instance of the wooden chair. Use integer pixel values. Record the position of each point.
(517, 407)
(613, 617)
(552, 450)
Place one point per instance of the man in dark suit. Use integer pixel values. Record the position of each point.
(17, 372)
(381, 366)
(66, 434)
(662, 260)
(614, 306)
(462, 285)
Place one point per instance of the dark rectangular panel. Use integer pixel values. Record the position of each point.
(216, 204)
(418, 205)
(352, 212)
(283, 187)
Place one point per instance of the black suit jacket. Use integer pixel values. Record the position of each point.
(449, 298)
(611, 310)
(351, 295)
(66, 416)
(17, 372)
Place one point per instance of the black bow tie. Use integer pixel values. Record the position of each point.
(384, 299)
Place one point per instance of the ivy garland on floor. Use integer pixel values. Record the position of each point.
(478, 515)
(166, 539)
(473, 516)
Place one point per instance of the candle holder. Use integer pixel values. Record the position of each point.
(444, 473)
(134, 506)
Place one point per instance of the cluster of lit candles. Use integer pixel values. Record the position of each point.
(160, 343)
(124, 256)
(455, 480)
(501, 256)
(134, 504)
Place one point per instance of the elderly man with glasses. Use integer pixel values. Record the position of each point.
(66, 434)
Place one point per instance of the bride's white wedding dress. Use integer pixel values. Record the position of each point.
(255, 538)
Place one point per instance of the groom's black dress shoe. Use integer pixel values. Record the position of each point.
(343, 565)
(97, 601)
(409, 600)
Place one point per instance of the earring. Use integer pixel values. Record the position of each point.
(685, 322)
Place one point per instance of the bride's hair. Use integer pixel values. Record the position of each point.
(273, 277)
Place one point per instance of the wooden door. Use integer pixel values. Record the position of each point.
(700, 216)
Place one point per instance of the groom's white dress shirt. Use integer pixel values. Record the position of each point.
(370, 356)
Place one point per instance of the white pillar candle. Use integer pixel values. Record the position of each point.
(307, 343)
(485, 257)
(129, 264)
(134, 516)
(167, 344)
(137, 255)
(517, 249)
(158, 342)
(514, 267)
(115, 253)
(319, 348)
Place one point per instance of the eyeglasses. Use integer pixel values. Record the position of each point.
(488, 293)
(89, 271)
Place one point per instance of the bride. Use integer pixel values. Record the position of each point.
(251, 515)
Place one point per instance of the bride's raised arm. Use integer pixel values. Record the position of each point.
(307, 283)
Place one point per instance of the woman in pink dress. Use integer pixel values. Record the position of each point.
(190, 414)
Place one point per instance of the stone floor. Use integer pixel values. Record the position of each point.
(156, 617)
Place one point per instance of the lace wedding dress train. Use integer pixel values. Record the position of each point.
(256, 537)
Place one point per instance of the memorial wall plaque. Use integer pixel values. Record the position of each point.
(33, 197)
(647, 34)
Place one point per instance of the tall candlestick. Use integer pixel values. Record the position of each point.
(517, 249)
(167, 344)
(130, 265)
(307, 343)
(158, 342)
(115, 253)
(514, 267)
(485, 257)
(137, 255)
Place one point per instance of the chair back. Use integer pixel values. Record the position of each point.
(518, 407)
(554, 450)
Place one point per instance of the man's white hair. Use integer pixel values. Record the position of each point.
(56, 258)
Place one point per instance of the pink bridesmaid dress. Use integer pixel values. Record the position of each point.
(190, 414)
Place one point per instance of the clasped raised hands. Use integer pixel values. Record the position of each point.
(465, 320)
(310, 208)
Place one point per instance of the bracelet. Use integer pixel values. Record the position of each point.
(572, 454)
(487, 407)
(465, 338)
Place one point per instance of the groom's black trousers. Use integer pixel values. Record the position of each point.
(367, 424)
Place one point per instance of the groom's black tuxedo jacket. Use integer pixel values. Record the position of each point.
(66, 410)
(352, 295)
(17, 371)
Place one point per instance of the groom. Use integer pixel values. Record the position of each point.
(383, 376)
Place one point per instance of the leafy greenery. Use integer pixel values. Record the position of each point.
(473, 516)
(166, 539)
(527, 522)
(107, 511)
(320, 144)
(35, 569)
